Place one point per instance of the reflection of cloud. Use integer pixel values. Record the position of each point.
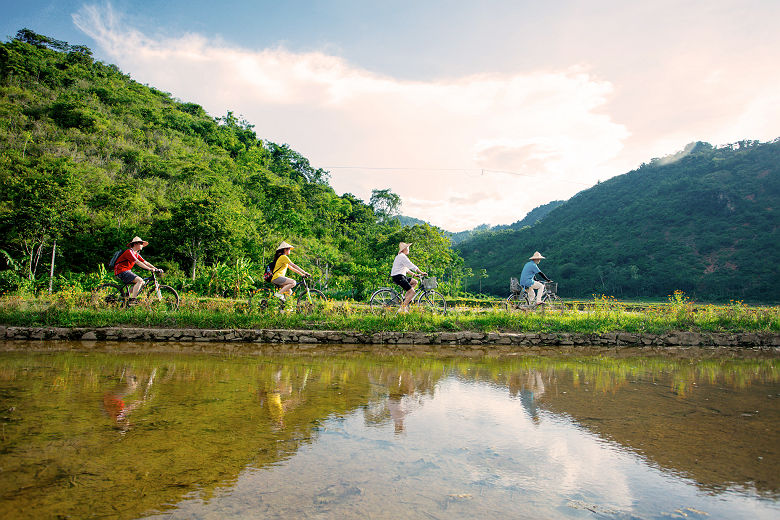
(563, 455)
(337, 114)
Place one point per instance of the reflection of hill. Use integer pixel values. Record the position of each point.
(682, 417)
(191, 425)
(202, 423)
(712, 436)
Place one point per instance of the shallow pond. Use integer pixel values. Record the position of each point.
(86, 435)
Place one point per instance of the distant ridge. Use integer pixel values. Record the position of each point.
(534, 216)
(704, 221)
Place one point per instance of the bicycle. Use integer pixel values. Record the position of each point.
(387, 298)
(306, 298)
(520, 299)
(153, 294)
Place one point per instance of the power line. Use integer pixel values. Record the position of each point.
(402, 168)
(481, 171)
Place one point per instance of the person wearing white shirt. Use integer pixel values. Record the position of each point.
(402, 267)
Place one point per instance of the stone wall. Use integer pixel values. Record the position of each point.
(455, 343)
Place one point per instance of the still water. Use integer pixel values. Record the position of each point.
(103, 435)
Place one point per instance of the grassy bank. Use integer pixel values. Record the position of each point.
(605, 315)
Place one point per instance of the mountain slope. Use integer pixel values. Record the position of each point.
(90, 158)
(531, 218)
(704, 221)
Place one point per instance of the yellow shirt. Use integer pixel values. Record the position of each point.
(280, 269)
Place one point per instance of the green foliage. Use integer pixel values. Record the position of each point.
(91, 158)
(385, 204)
(703, 221)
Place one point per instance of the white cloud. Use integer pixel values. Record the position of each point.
(540, 123)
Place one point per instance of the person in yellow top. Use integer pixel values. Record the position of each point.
(279, 268)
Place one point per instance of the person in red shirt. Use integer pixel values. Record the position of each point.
(126, 261)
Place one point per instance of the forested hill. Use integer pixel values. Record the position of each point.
(91, 158)
(704, 221)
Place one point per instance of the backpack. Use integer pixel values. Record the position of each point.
(114, 258)
(269, 273)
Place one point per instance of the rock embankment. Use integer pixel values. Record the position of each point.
(456, 343)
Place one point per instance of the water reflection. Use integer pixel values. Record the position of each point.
(530, 387)
(193, 436)
(395, 394)
(121, 400)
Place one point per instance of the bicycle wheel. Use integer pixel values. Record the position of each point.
(434, 301)
(263, 300)
(515, 300)
(311, 301)
(257, 301)
(553, 301)
(109, 295)
(165, 298)
(384, 299)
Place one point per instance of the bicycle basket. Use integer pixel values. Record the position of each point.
(514, 285)
(430, 283)
(551, 287)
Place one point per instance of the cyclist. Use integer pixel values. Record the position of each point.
(279, 268)
(126, 261)
(529, 283)
(402, 266)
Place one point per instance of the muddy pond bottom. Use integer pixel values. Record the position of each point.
(88, 435)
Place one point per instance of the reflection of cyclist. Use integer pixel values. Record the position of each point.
(529, 283)
(530, 389)
(279, 268)
(278, 398)
(115, 401)
(402, 266)
(126, 261)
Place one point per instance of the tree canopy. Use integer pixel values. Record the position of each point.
(92, 158)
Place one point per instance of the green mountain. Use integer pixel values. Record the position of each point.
(90, 158)
(410, 221)
(533, 217)
(703, 221)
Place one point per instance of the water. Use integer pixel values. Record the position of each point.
(87, 435)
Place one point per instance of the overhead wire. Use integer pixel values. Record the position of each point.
(481, 171)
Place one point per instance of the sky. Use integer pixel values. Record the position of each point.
(473, 112)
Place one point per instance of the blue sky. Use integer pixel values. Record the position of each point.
(473, 112)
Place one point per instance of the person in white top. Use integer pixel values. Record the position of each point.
(402, 267)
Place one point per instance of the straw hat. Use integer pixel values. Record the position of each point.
(537, 256)
(402, 246)
(285, 245)
(136, 240)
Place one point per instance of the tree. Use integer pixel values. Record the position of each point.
(36, 206)
(481, 275)
(385, 204)
(205, 224)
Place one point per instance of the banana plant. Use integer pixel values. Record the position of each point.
(241, 275)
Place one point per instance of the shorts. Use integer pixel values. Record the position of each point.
(127, 277)
(403, 281)
(282, 280)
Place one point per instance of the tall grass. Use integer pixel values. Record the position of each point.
(605, 314)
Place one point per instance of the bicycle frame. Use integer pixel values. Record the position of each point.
(424, 297)
(156, 284)
(306, 298)
(126, 287)
(418, 294)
